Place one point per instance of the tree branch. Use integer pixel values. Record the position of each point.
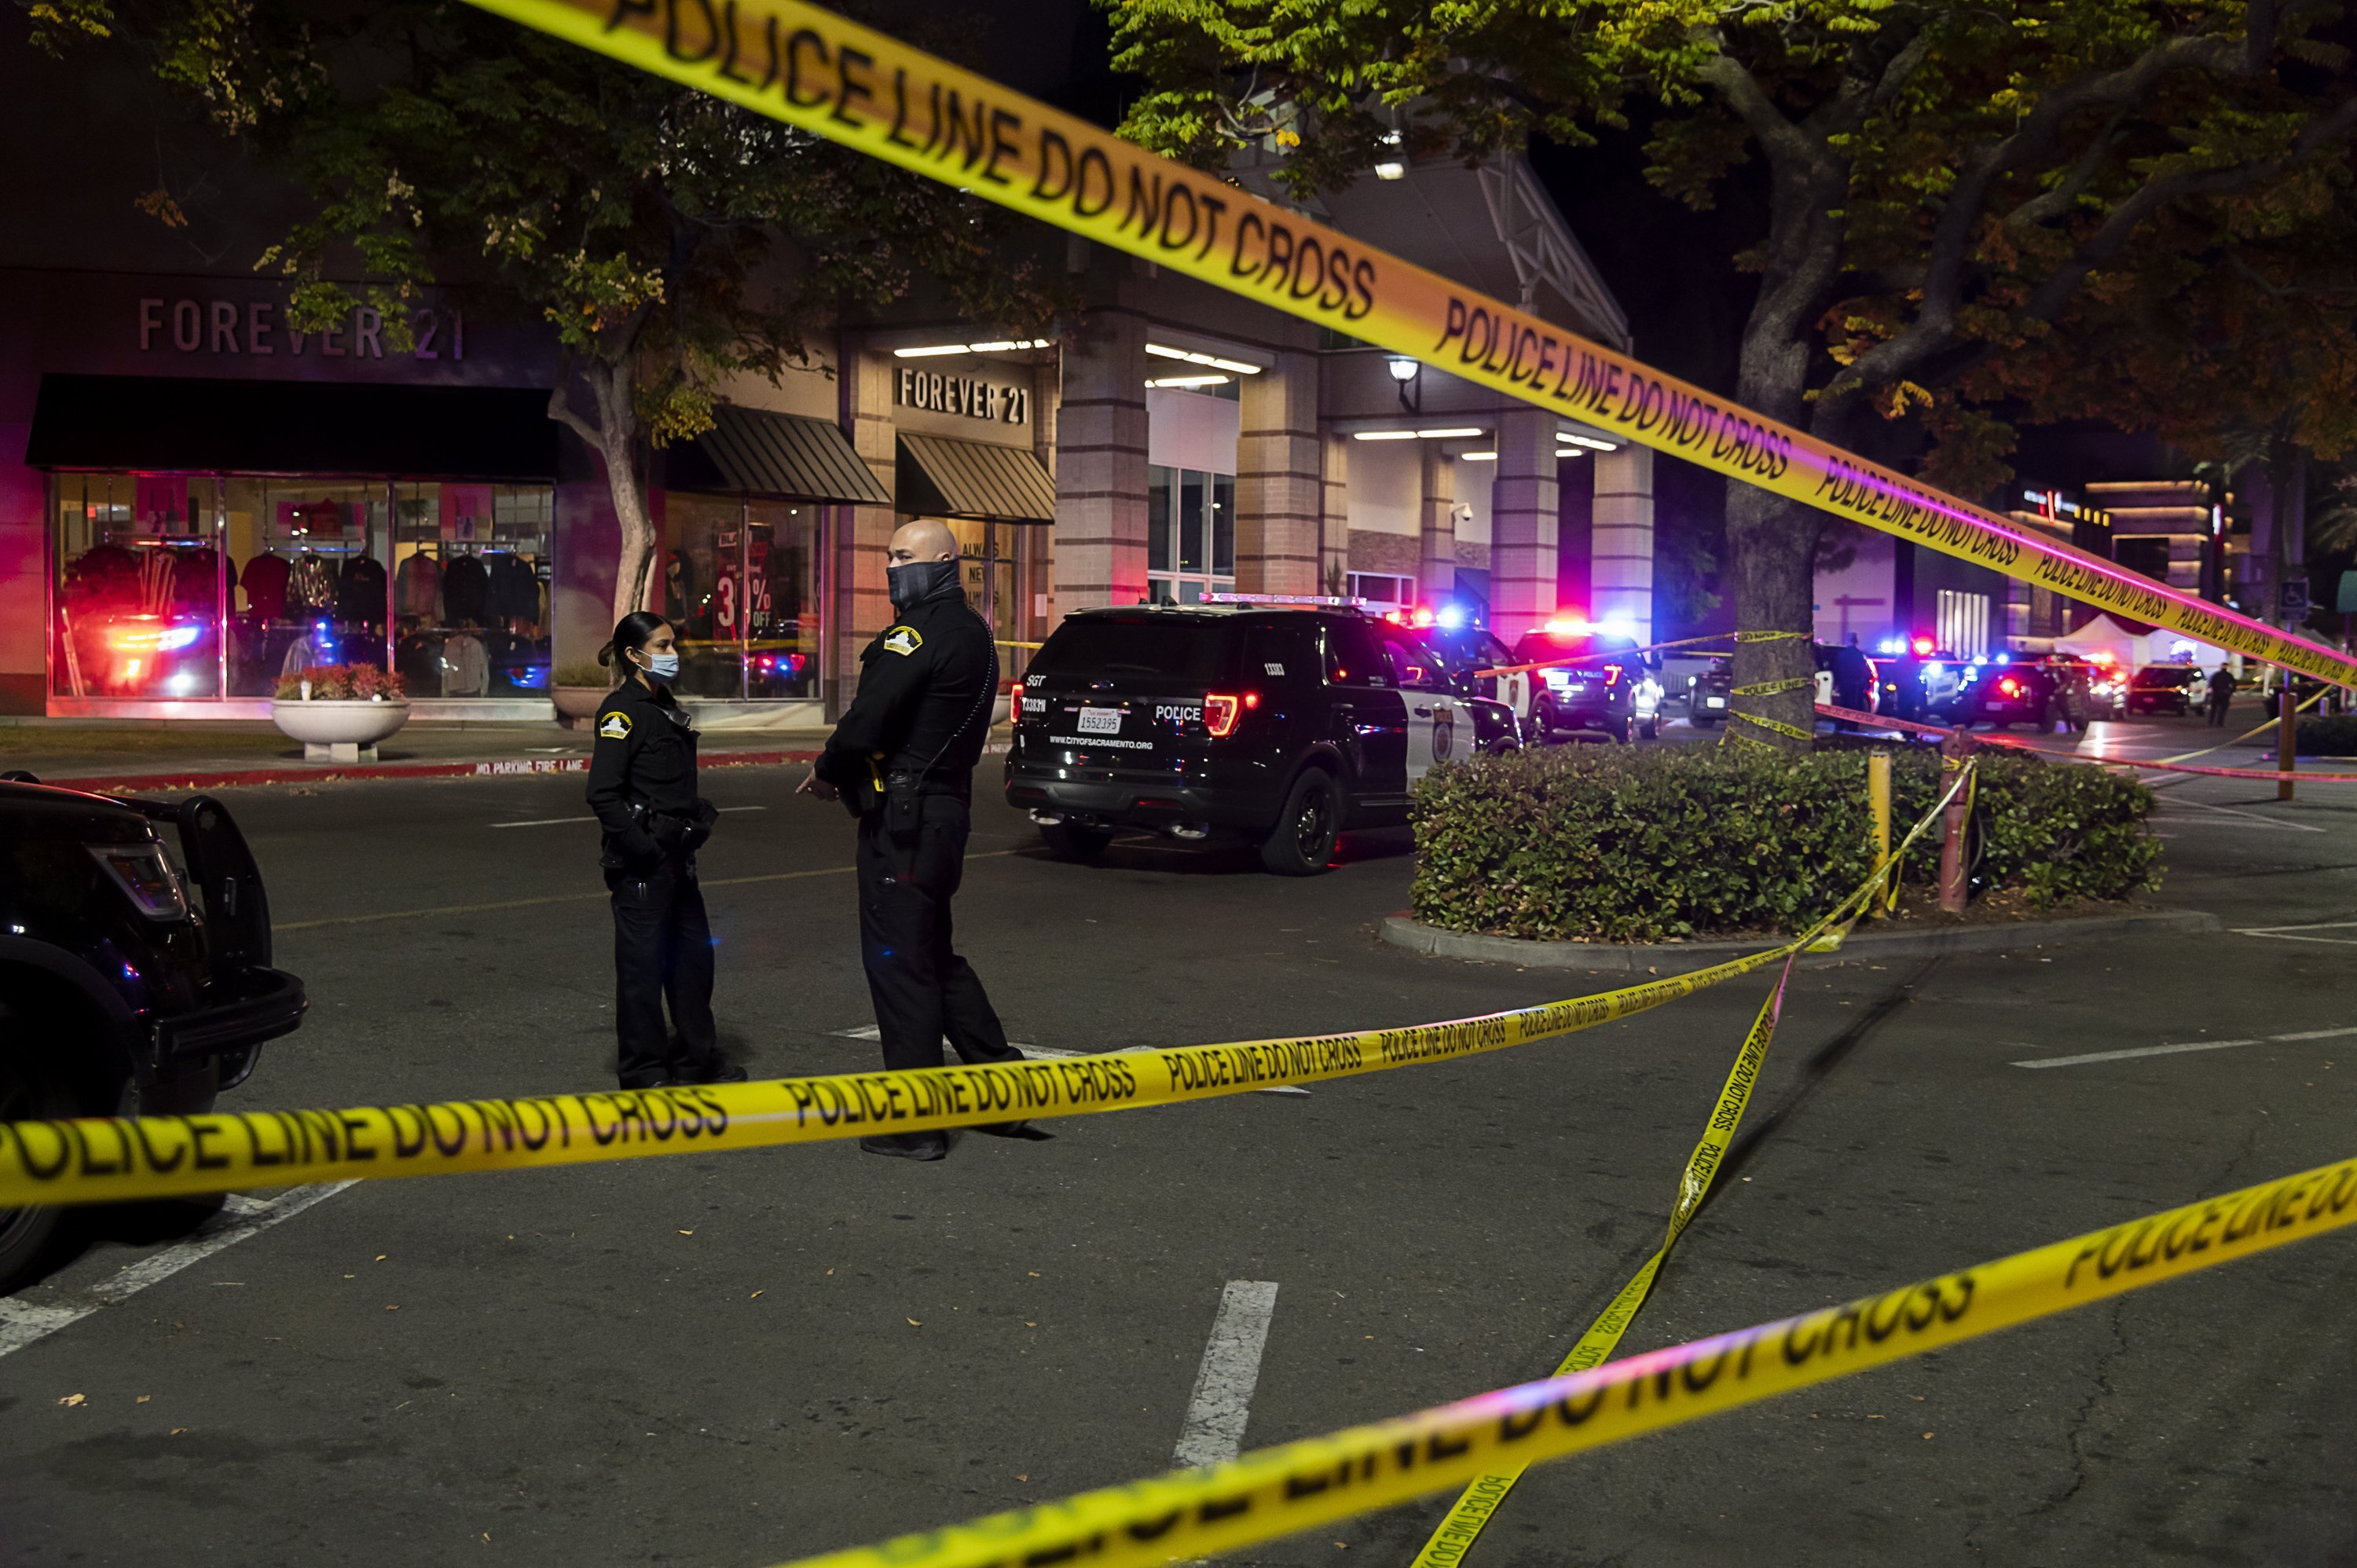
(2047, 300)
(2048, 205)
(1921, 344)
(2041, 132)
(560, 411)
(1783, 140)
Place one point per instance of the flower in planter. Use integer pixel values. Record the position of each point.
(339, 683)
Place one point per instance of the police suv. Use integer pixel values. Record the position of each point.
(1275, 719)
(1589, 681)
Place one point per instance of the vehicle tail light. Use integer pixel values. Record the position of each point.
(2009, 686)
(1612, 675)
(1221, 712)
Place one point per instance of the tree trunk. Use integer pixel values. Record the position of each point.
(616, 440)
(1773, 543)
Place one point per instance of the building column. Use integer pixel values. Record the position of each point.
(1334, 530)
(861, 603)
(1436, 571)
(1100, 540)
(1035, 584)
(1525, 519)
(1280, 500)
(1621, 556)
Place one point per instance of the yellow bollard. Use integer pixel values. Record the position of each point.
(1877, 800)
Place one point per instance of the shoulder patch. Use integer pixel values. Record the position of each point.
(904, 640)
(614, 726)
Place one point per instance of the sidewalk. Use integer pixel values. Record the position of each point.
(224, 756)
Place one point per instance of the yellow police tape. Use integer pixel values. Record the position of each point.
(111, 1159)
(106, 1159)
(1479, 1502)
(1275, 1492)
(866, 90)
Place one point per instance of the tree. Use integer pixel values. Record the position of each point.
(1954, 191)
(670, 240)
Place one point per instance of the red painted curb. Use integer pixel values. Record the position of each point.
(503, 767)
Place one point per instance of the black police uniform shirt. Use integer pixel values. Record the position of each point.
(645, 753)
(925, 689)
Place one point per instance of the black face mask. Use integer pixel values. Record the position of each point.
(918, 580)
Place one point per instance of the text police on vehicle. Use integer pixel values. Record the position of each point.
(1272, 720)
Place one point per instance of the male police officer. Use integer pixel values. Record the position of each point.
(903, 756)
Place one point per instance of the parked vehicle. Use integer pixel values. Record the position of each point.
(1593, 691)
(2035, 691)
(1710, 694)
(1424, 671)
(1279, 726)
(128, 986)
(2167, 689)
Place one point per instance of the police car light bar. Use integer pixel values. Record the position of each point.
(1324, 601)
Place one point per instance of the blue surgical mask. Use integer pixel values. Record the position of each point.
(664, 666)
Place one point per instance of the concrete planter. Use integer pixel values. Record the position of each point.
(1865, 943)
(576, 706)
(342, 731)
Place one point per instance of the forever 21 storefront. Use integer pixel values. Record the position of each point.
(223, 500)
(198, 503)
(207, 502)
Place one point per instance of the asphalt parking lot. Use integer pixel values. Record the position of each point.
(741, 1360)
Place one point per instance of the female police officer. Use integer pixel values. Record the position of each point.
(642, 786)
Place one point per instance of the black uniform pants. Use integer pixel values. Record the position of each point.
(922, 989)
(662, 951)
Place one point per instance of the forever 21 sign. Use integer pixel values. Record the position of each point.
(969, 396)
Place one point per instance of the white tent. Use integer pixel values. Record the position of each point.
(2133, 645)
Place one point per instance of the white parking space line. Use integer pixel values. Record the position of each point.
(2293, 933)
(2226, 817)
(558, 822)
(24, 1323)
(1214, 1428)
(1043, 1053)
(2189, 1046)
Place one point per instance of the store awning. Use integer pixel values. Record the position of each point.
(176, 424)
(750, 451)
(942, 476)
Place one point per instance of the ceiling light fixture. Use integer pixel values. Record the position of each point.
(1382, 435)
(1590, 442)
(1451, 434)
(1006, 346)
(1476, 457)
(1238, 366)
(1188, 381)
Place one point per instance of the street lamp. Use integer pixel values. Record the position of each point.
(1407, 373)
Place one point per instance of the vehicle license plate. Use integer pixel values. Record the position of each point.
(1100, 721)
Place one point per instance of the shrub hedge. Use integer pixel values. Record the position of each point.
(2334, 734)
(1617, 844)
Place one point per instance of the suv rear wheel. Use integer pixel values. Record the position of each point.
(1069, 841)
(1303, 840)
